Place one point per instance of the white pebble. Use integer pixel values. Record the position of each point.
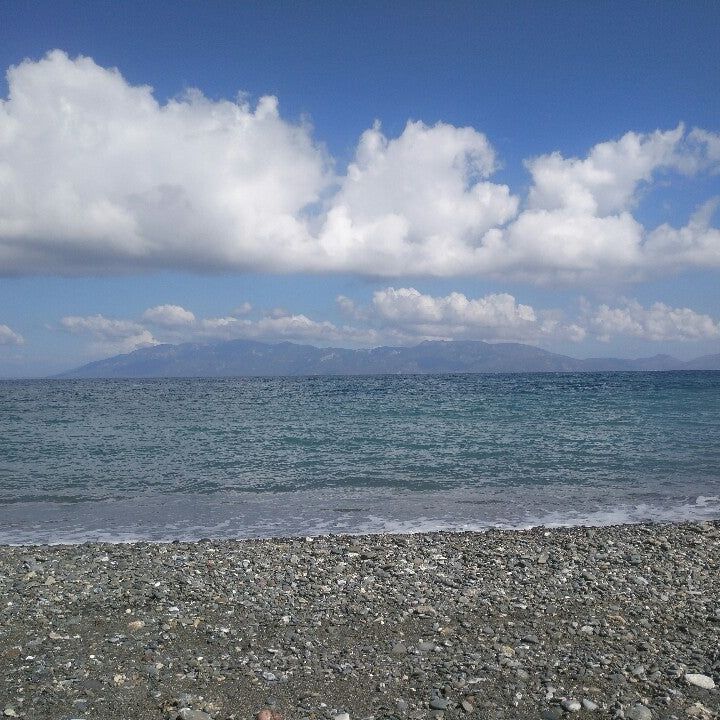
(701, 681)
(571, 705)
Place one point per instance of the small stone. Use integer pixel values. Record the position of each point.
(553, 713)
(467, 706)
(439, 703)
(543, 558)
(136, 625)
(702, 681)
(402, 706)
(268, 714)
(9, 712)
(589, 705)
(270, 677)
(698, 710)
(399, 649)
(188, 714)
(571, 705)
(342, 716)
(638, 712)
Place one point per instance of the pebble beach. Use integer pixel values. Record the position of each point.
(607, 622)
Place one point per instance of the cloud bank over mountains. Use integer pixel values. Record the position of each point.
(399, 316)
(97, 176)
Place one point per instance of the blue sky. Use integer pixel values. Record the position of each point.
(541, 172)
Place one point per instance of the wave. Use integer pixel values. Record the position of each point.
(306, 514)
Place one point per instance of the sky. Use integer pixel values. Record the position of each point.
(358, 174)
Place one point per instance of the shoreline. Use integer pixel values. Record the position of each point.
(610, 621)
(344, 535)
(254, 515)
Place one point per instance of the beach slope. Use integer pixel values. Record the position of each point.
(582, 622)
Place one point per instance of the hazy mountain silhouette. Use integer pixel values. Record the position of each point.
(249, 357)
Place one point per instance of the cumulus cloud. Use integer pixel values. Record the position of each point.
(492, 317)
(109, 335)
(417, 203)
(578, 225)
(292, 327)
(242, 309)
(709, 147)
(169, 316)
(10, 337)
(400, 316)
(605, 182)
(173, 323)
(658, 322)
(410, 305)
(697, 243)
(349, 307)
(97, 176)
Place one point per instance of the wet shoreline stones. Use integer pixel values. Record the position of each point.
(613, 622)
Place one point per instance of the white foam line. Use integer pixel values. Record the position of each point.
(705, 507)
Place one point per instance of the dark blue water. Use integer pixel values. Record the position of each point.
(163, 459)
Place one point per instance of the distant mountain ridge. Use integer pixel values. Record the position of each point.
(252, 358)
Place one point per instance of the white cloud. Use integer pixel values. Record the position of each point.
(695, 244)
(403, 316)
(169, 316)
(565, 246)
(412, 306)
(96, 176)
(349, 307)
(578, 226)
(418, 203)
(242, 309)
(174, 323)
(658, 322)
(709, 147)
(492, 317)
(109, 335)
(10, 337)
(293, 327)
(606, 181)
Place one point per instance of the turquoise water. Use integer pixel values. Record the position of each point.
(166, 459)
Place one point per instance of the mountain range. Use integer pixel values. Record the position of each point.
(253, 358)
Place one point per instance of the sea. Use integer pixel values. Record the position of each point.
(187, 459)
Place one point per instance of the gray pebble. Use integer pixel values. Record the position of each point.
(638, 712)
(439, 703)
(571, 705)
(188, 714)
